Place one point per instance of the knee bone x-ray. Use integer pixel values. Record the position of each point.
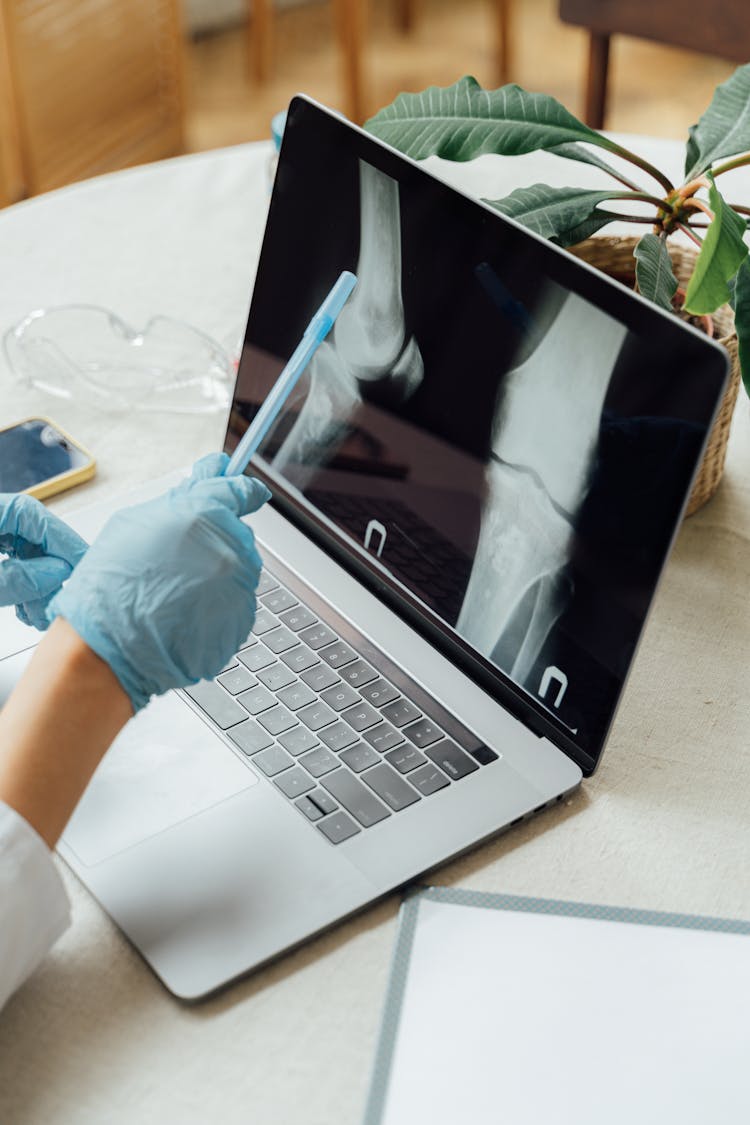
(472, 424)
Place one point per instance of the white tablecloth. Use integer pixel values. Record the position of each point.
(665, 823)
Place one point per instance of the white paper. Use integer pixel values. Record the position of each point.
(537, 1018)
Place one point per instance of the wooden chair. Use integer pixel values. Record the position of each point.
(720, 28)
(87, 88)
(350, 18)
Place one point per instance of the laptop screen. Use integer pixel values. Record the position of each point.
(499, 438)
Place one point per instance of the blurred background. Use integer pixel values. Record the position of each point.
(89, 86)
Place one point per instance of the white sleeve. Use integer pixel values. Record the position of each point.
(34, 908)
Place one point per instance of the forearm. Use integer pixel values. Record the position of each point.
(54, 730)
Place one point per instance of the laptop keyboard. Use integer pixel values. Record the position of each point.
(331, 722)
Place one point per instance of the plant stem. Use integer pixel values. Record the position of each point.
(625, 218)
(738, 207)
(698, 205)
(644, 197)
(686, 230)
(639, 162)
(689, 190)
(735, 162)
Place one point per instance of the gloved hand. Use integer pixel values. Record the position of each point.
(166, 593)
(42, 552)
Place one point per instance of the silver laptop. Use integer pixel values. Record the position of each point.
(475, 489)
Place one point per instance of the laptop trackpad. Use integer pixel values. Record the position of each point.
(164, 767)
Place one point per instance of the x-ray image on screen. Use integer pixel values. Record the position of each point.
(369, 343)
(506, 451)
(544, 438)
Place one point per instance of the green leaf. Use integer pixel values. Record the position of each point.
(653, 271)
(722, 252)
(555, 213)
(742, 320)
(463, 121)
(724, 129)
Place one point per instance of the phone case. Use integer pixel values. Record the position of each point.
(60, 483)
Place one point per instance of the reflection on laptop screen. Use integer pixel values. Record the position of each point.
(500, 446)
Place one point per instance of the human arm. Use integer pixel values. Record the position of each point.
(119, 636)
(54, 730)
(64, 713)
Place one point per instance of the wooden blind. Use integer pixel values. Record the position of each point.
(95, 85)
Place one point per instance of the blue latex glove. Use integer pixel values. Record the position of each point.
(166, 593)
(42, 552)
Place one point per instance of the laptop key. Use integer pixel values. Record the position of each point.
(318, 636)
(279, 640)
(217, 703)
(237, 679)
(294, 783)
(298, 618)
(338, 827)
(297, 740)
(299, 658)
(359, 673)
(405, 758)
(319, 762)
(266, 582)
(337, 736)
(320, 677)
(317, 715)
(277, 720)
(390, 786)
(450, 759)
(279, 600)
(308, 807)
(296, 695)
(256, 657)
(379, 692)
(359, 757)
(273, 761)
(250, 737)
(484, 755)
(340, 696)
(324, 801)
(423, 733)
(361, 717)
(355, 798)
(383, 737)
(428, 779)
(263, 622)
(256, 699)
(276, 676)
(401, 712)
(337, 655)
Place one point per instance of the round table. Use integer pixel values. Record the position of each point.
(664, 824)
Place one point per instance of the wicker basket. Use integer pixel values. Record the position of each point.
(614, 256)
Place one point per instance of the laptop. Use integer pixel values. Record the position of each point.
(475, 489)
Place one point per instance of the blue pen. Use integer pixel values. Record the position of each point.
(313, 337)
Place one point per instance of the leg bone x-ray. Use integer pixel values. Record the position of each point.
(544, 437)
(369, 340)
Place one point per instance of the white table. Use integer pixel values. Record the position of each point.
(665, 824)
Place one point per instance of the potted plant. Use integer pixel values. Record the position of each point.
(710, 279)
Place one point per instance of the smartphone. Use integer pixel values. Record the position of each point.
(38, 457)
